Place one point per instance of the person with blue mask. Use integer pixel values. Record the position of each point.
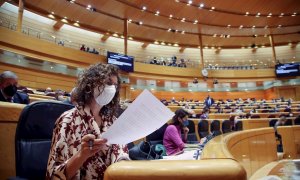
(172, 137)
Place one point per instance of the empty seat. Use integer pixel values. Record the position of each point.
(191, 137)
(33, 137)
(271, 116)
(255, 116)
(226, 126)
(272, 122)
(288, 122)
(215, 127)
(157, 136)
(238, 126)
(203, 128)
(297, 121)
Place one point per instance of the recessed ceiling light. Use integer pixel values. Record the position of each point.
(157, 13)
(201, 5)
(170, 16)
(140, 22)
(196, 21)
(144, 8)
(89, 6)
(190, 2)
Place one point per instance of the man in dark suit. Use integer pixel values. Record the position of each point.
(8, 89)
(208, 101)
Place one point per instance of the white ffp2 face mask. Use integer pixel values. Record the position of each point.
(106, 96)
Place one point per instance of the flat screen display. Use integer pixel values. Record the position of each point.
(124, 62)
(283, 70)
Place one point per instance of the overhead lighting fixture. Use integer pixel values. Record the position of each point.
(129, 20)
(241, 27)
(257, 15)
(247, 13)
(77, 21)
(201, 5)
(170, 16)
(281, 15)
(269, 15)
(228, 26)
(294, 14)
(190, 2)
(183, 20)
(182, 32)
(279, 26)
(253, 27)
(169, 29)
(212, 8)
(195, 22)
(144, 8)
(140, 23)
(157, 13)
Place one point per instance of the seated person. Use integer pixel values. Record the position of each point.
(204, 114)
(172, 137)
(77, 150)
(8, 89)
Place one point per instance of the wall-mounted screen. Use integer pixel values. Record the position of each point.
(124, 62)
(283, 70)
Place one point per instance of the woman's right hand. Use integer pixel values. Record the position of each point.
(90, 145)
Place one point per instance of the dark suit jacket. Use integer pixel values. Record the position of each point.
(19, 97)
(211, 102)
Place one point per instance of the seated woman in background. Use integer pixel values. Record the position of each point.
(77, 149)
(172, 137)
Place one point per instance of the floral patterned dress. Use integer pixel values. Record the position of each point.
(66, 142)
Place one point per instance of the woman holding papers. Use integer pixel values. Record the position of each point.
(172, 136)
(77, 150)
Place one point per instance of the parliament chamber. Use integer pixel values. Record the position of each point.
(181, 51)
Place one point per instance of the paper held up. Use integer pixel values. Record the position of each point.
(145, 115)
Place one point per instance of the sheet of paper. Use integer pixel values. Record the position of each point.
(187, 155)
(145, 115)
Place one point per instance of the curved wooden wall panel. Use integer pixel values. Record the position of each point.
(290, 141)
(251, 148)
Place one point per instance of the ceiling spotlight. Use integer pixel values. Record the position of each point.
(157, 13)
(247, 13)
(183, 19)
(144, 8)
(279, 26)
(255, 35)
(89, 6)
(253, 27)
(212, 7)
(196, 21)
(140, 23)
(169, 29)
(170, 16)
(201, 5)
(228, 25)
(190, 2)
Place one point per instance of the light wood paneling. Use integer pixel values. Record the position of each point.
(9, 117)
(290, 141)
(244, 146)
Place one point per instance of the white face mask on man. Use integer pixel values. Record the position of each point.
(106, 96)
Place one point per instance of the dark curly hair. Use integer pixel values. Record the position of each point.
(97, 75)
(179, 113)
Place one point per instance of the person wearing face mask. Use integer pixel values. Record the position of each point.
(172, 137)
(77, 149)
(8, 89)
